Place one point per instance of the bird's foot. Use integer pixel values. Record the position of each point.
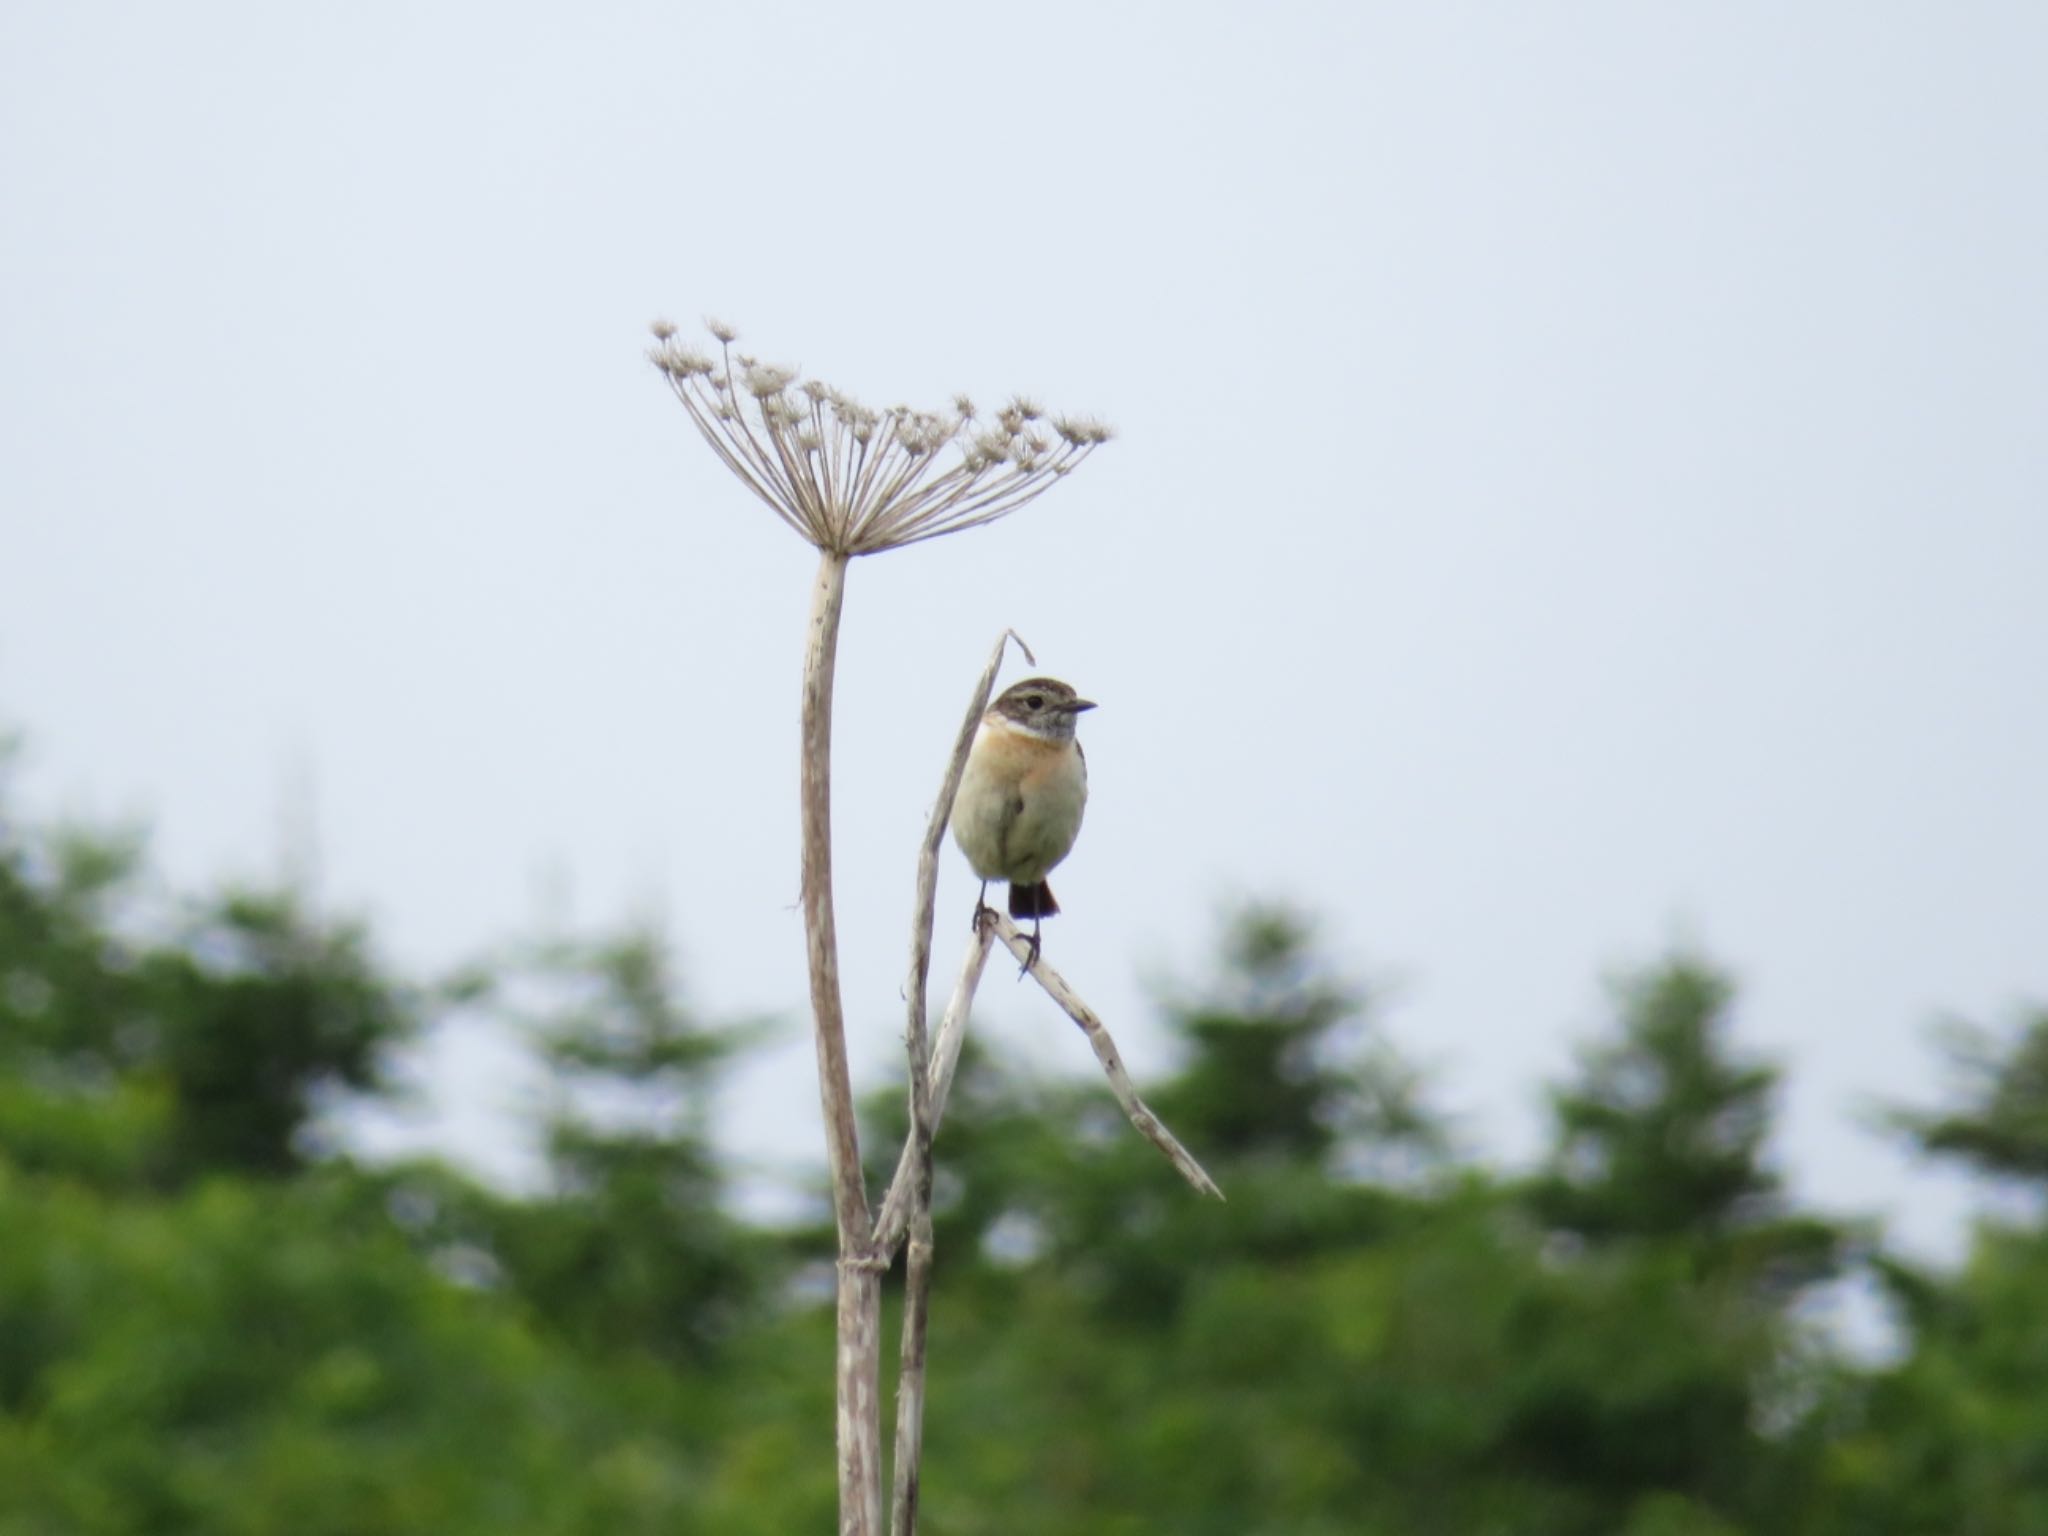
(1031, 949)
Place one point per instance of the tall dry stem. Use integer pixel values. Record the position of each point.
(857, 1393)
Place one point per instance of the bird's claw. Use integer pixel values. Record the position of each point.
(1031, 948)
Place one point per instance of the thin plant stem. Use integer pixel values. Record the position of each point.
(916, 988)
(1147, 1124)
(918, 1145)
(893, 1220)
(860, 1289)
(890, 1225)
(917, 1290)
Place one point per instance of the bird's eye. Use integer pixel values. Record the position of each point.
(1034, 701)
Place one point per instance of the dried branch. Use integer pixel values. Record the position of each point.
(859, 1367)
(917, 1291)
(894, 1217)
(934, 839)
(918, 1146)
(1148, 1124)
(907, 1206)
(842, 1143)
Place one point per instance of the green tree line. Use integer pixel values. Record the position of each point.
(215, 1319)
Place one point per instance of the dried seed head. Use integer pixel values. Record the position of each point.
(679, 360)
(914, 435)
(764, 383)
(856, 481)
(849, 412)
(1082, 431)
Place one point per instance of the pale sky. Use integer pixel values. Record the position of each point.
(1582, 483)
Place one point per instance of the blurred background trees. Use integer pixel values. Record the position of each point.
(215, 1318)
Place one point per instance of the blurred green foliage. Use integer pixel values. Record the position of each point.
(215, 1320)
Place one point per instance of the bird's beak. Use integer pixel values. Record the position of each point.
(1075, 706)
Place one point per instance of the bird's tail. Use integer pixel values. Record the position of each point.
(1032, 900)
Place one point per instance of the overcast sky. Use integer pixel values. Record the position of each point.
(1581, 485)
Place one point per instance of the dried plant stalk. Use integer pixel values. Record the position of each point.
(928, 864)
(857, 1376)
(907, 1206)
(849, 1199)
(1148, 1125)
(918, 1145)
(917, 1291)
(893, 1220)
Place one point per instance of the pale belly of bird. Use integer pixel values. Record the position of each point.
(1016, 826)
(1043, 833)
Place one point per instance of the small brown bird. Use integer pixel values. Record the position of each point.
(1021, 798)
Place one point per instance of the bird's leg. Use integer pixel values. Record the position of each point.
(981, 905)
(1031, 950)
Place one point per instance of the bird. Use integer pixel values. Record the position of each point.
(1022, 795)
